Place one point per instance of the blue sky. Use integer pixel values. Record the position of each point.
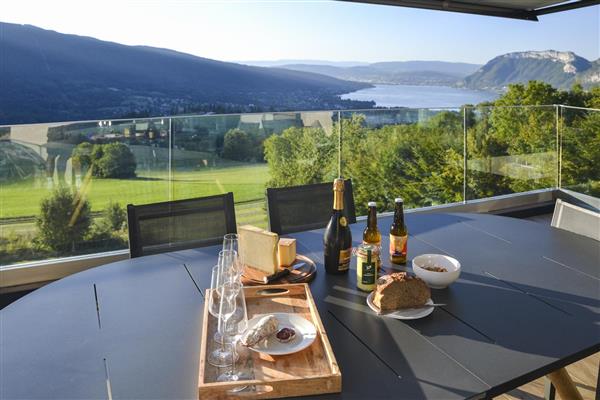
(302, 29)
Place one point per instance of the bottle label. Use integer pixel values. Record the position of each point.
(368, 272)
(398, 245)
(344, 263)
(343, 221)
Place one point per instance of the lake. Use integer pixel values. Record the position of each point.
(420, 96)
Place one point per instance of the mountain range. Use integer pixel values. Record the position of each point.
(49, 76)
(280, 63)
(561, 69)
(440, 73)
(46, 76)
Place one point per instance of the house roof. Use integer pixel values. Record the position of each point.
(519, 9)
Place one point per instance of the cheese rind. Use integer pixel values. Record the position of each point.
(258, 248)
(287, 252)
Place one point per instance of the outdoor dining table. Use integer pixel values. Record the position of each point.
(527, 303)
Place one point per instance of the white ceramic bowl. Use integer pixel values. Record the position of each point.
(436, 280)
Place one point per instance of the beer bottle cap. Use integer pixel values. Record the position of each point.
(399, 200)
(372, 204)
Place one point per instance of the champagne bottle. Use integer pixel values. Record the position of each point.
(398, 235)
(337, 239)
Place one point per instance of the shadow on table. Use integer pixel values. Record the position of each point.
(485, 320)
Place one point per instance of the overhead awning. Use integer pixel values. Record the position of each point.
(519, 9)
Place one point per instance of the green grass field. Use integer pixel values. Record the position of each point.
(247, 182)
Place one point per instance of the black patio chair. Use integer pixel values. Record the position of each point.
(181, 224)
(299, 208)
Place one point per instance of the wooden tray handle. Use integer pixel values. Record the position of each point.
(293, 289)
(259, 391)
(266, 292)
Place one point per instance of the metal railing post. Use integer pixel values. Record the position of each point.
(339, 144)
(561, 121)
(170, 163)
(464, 154)
(557, 147)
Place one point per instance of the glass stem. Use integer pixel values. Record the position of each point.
(233, 354)
(223, 334)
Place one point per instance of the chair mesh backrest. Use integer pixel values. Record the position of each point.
(576, 219)
(177, 225)
(299, 208)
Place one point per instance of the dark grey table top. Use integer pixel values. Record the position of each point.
(527, 302)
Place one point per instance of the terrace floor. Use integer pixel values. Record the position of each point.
(584, 373)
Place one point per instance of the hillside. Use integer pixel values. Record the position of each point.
(280, 63)
(560, 69)
(396, 72)
(48, 76)
(591, 76)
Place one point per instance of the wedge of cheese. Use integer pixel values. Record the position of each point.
(258, 248)
(287, 252)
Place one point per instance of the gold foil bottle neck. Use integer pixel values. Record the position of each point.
(338, 185)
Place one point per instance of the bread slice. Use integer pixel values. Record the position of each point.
(400, 290)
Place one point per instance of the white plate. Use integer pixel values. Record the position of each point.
(306, 333)
(408, 313)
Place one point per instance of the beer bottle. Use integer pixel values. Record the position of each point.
(371, 234)
(398, 235)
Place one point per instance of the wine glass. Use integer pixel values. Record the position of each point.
(218, 278)
(227, 262)
(222, 355)
(230, 242)
(239, 328)
(216, 281)
(225, 355)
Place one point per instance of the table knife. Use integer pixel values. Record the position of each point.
(282, 273)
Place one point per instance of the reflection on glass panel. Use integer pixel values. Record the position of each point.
(247, 153)
(415, 154)
(580, 150)
(510, 150)
(65, 186)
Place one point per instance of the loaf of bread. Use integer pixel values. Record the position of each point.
(265, 327)
(400, 290)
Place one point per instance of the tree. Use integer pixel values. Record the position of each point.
(113, 160)
(237, 145)
(64, 220)
(240, 145)
(115, 216)
(301, 156)
(510, 145)
(82, 157)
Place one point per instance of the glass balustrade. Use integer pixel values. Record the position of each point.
(64, 187)
(579, 150)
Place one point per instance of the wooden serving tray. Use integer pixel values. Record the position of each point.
(311, 371)
(252, 276)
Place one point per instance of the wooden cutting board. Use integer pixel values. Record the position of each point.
(253, 276)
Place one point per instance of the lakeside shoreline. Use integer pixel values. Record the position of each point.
(420, 96)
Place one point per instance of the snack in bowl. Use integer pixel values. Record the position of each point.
(400, 290)
(285, 335)
(265, 327)
(437, 270)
